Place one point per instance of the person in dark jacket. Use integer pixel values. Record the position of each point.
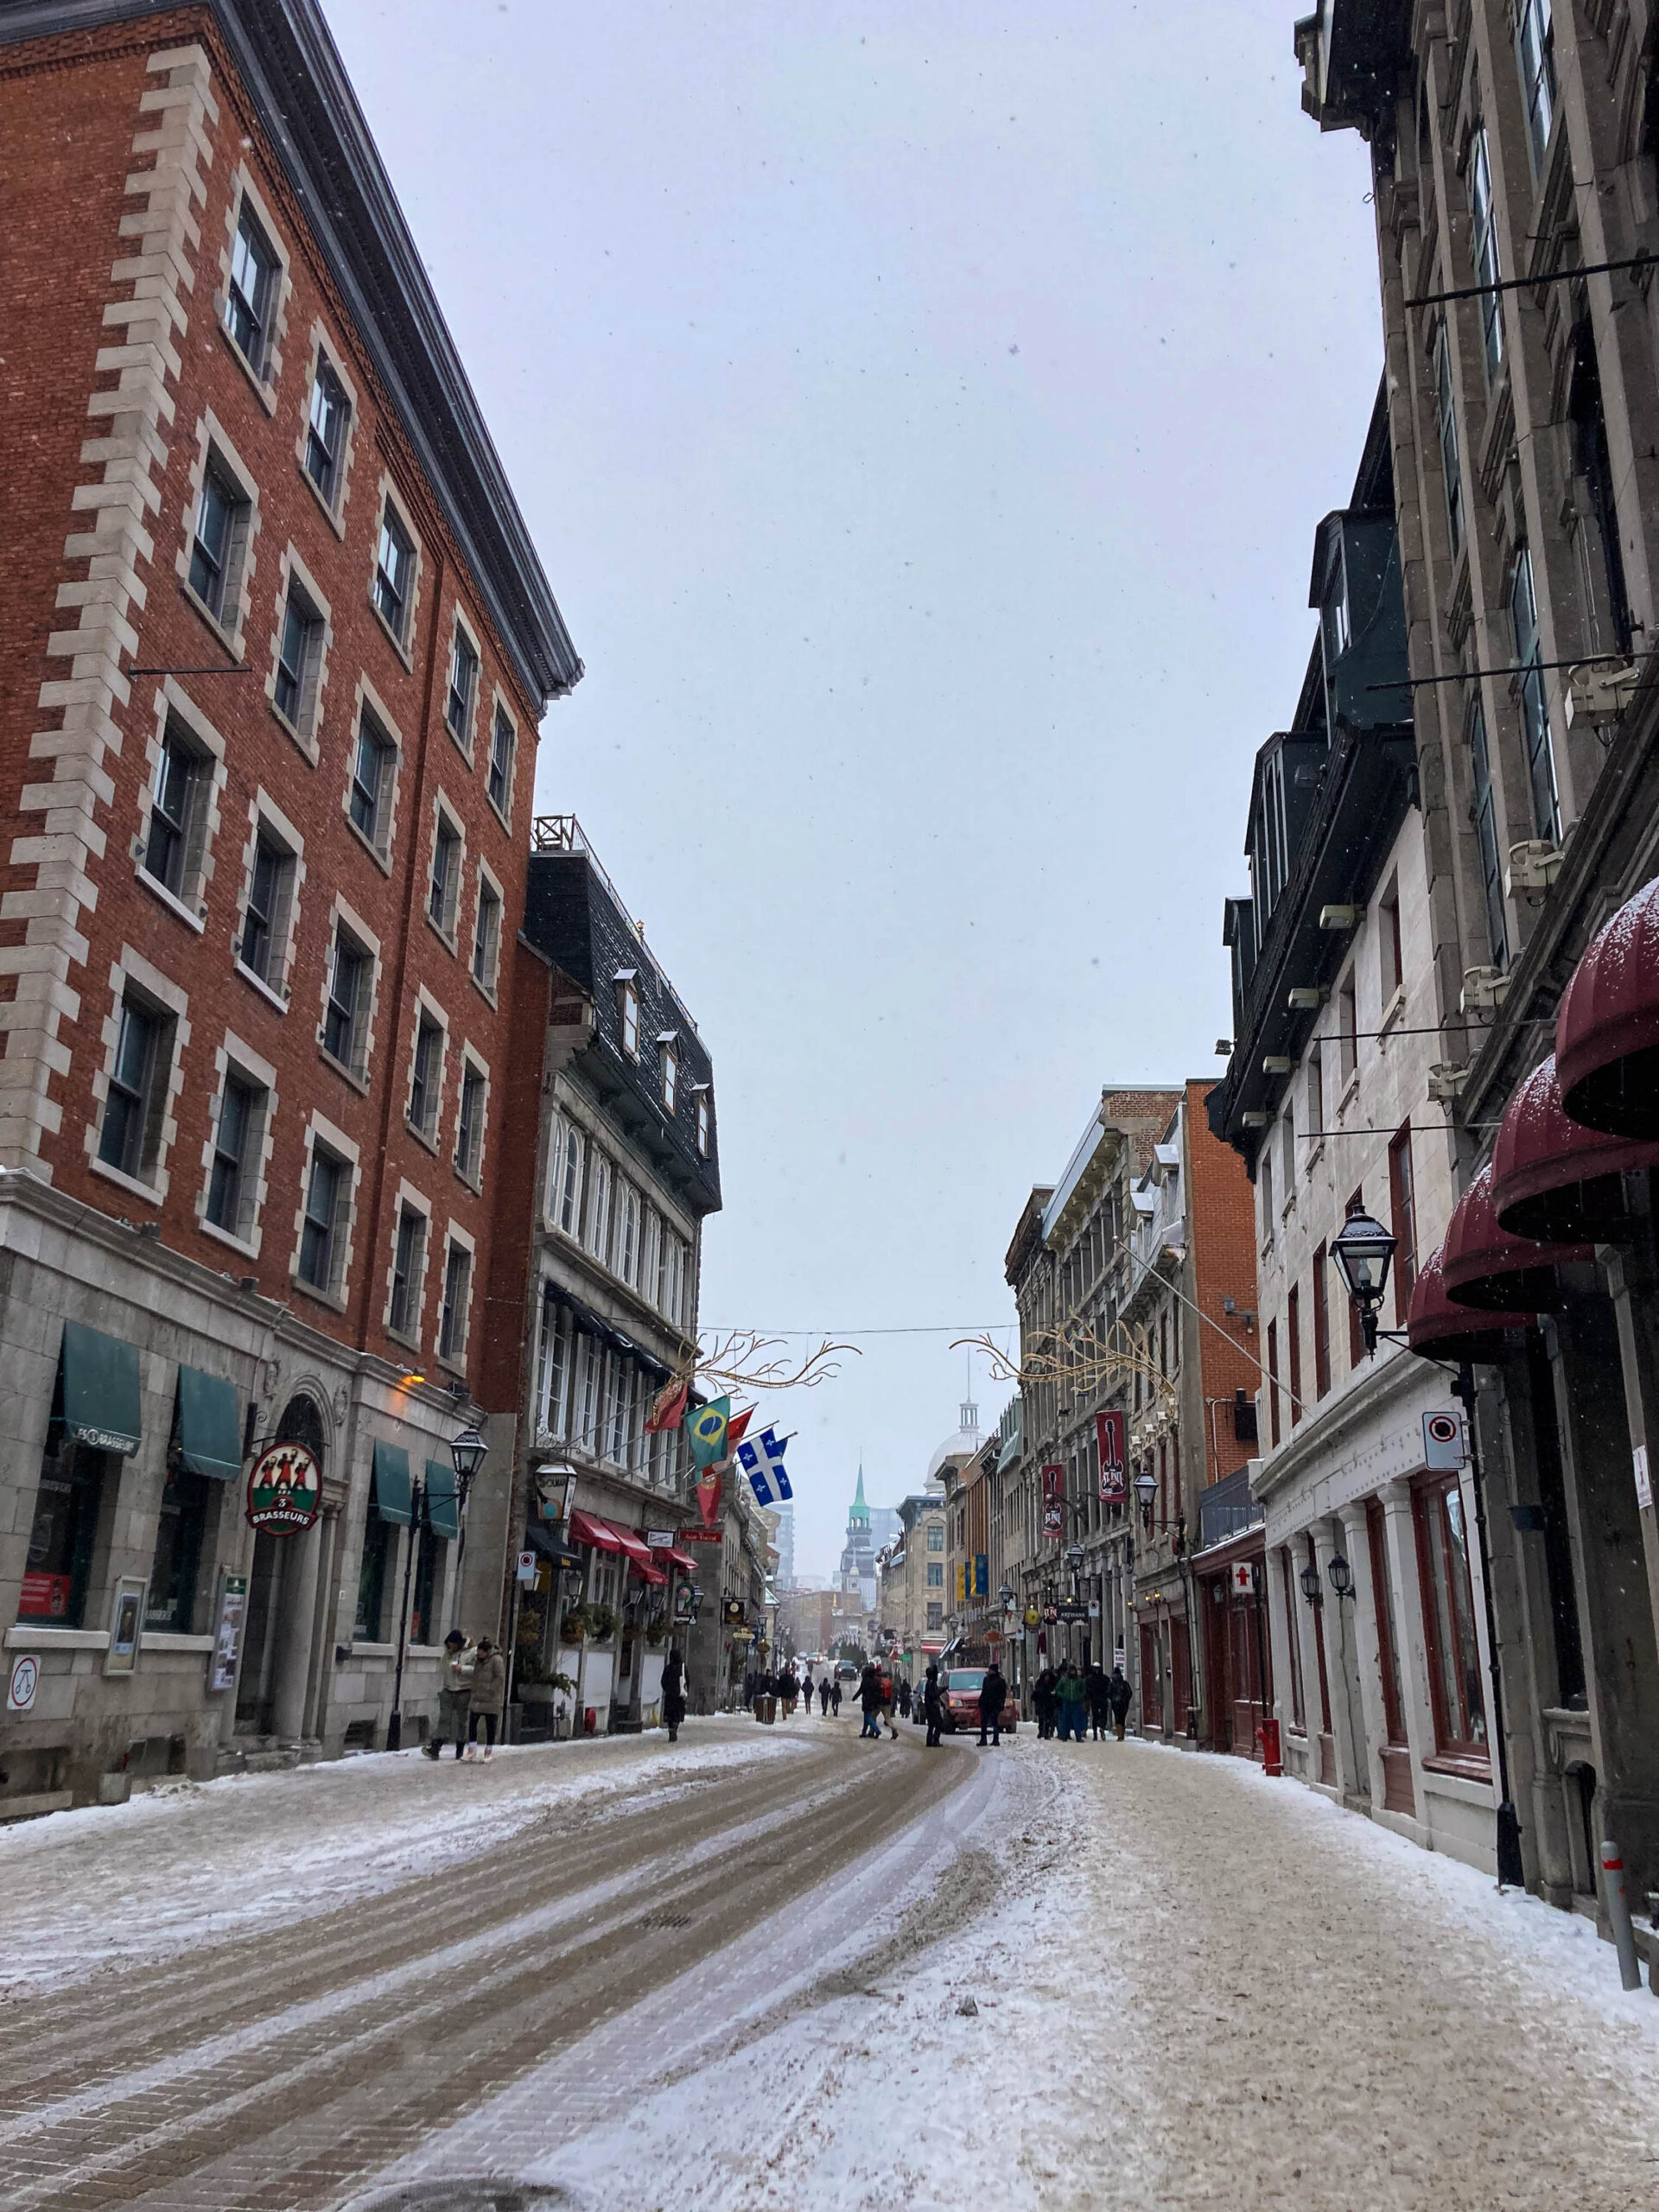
(835, 1696)
(823, 1697)
(673, 1693)
(870, 1697)
(1099, 1700)
(993, 1696)
(904, 1701)
(1044, 1703)
(932, 1705)
(1121, 1694)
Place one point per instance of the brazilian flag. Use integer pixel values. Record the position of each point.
(705, 1431)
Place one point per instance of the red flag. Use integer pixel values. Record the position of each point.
(735, 1427)
(708, 1495)
(668, 1408)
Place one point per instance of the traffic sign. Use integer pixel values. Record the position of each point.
(24, 1683)
(1443, 1447)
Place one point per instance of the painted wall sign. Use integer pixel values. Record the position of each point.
(1114, 1461)
(284, 1489)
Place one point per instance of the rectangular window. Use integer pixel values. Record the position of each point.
(347, 990)
(935, 1612)
(423, 1616)
(125, 1141)
(1273, 1381)
(452, 1325)
(463, 686)
(936, 1536)
(554, 1369)
(598, 1237)
(325, 434)
(221, 518)
(1449, 1621)
(1534, 45)
(627, 1233)
(180, 1527)
(57, 1566)
(628, 1001)
(402, 1312)
(703, 1127)
(176, 807)
(936, 1574)
(264, 925)
(443, 892)
(1321, 1325)
(1389, 953)
(1402, 1204)
(371, 779)
(296, 660)
(1484, 241)
(377, 1538)
(1347, 1028)
(318, 1229)
(1293, 1349)
(670, 1073)
(1264, 1184)
(230, 1183)
(1387, 1638)
(469, 1124)
(502, 741)
(248, 304)
(566, 1209)
(423, 1079)
(486, 936)
(1315, 1130)
(1534, 707)
(1445, 407)
(1491, 866)
(394, 572)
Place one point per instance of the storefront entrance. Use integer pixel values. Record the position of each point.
(280, 1635)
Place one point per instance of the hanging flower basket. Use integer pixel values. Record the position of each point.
(601, 1624)
(574, 1626)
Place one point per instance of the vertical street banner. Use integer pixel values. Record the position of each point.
(1054, 1503)
(1114, 1461)
(982, 1574)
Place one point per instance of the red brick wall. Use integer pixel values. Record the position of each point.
(69, 130)
(1222, 1200)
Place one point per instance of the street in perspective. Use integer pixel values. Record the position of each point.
(964, 1616)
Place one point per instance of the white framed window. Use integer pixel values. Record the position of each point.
(178, 814)
(589, 1375)
(349, 981)
(253, 291)
(327, 1194)
(472, 1105)
(1535, 47)
(369, 794)
(461, 693)
(553, 1369)
(328, 425)
(426, 1072)
(627, 1010)
(668, 1064)
(406, 1288)
(487, 934)
(219, 538)
(627, 1233)
(397, 563)
(443, 877)
(565, 1190)
(453, 1316)
(702, 1123)
(504, 745)
(238, 1124)
(598, 1228)
(264, 933)
(299, 660)
(129, 1138)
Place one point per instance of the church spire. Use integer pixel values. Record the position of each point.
(860, 1515)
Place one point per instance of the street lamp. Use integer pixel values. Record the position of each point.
(467, 1455)
(1341, 1574)
(1146, 1489)
(1362, 1253)
(1310, 1581)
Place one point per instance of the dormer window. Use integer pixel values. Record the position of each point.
(628, 1008)
(668, 1058)
(703, 1127)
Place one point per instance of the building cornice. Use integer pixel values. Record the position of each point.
(289, 63)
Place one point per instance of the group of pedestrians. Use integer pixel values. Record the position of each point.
(472, 1691)
(1068, 1700)
(792, 1689)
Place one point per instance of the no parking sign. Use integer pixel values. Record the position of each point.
(23, 1681)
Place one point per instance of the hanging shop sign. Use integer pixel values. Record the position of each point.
(731, 1611)
(1073, 1610)
(660, 1540)
(1114, 1457)
(701, 1537)
(685, 1605)
(1033, 1617)
(556, 1493)
(1241, 1575)
(1054, 1502)
(284, 1491)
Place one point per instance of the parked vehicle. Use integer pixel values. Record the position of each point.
(959, 1697)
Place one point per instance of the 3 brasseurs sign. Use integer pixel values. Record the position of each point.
(284, 1491)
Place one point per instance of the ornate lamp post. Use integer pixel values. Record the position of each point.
(467, 1455)
(1363, 1252)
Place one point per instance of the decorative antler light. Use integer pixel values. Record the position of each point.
(1075, 1356)
(743, 1359)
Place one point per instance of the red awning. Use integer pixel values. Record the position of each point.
(1439, 1330)
(1607, 1030)
(684, 1560)
(641, 1560)
(1483, 1265)
(588, 1528)
(1555, 1180)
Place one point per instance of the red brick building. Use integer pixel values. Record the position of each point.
(276, 648)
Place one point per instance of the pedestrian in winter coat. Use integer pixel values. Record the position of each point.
(904, 1701)
(884, 1679)
(1099, 1701)
(835, 1697)
(455, 1696)
(1044, 1701)
(489, 1695)
(673, 1693)
(869, 1697)
(993, 1696)
(1070, 1692)
(1120, 1695)
(823, 1698)
(751, 1684)
(932, 1707)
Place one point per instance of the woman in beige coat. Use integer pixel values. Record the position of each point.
(489, 1695)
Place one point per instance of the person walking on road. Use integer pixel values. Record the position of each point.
(883, 1676)
(673, 1693)
(1069, 1690)
(455, 1696)
(489, 1695)
(932, 1710)
(824, 1699)
(835, 1697)
(1100, 1700)
(869, 1697)
(993, 1696)
(904, 1699)
(1121, 1694)
(1042, 1702)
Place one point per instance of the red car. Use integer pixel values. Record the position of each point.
(959, 1694)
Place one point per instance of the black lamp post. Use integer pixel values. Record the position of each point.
(1311, 1589)
(467, 1455)
(1341, 1574)
(1146, 1490)
(1363, 1252)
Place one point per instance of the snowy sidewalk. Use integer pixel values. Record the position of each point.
(1179, 1984)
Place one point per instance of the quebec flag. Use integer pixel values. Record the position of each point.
(762, 1461)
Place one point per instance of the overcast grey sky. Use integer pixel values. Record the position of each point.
(922, 412)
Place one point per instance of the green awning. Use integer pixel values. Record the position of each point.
(209, 1443)
(442, 1506)
(391, 1490)
(100, 1377)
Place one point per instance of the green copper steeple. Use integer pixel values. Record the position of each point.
(860, 1515)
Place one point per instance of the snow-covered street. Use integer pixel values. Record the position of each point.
(785, 1969)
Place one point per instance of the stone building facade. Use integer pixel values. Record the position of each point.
(276, 649)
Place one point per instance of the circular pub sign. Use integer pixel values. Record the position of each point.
(284, 1489)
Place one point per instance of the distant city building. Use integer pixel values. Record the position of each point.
(785, 1547)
